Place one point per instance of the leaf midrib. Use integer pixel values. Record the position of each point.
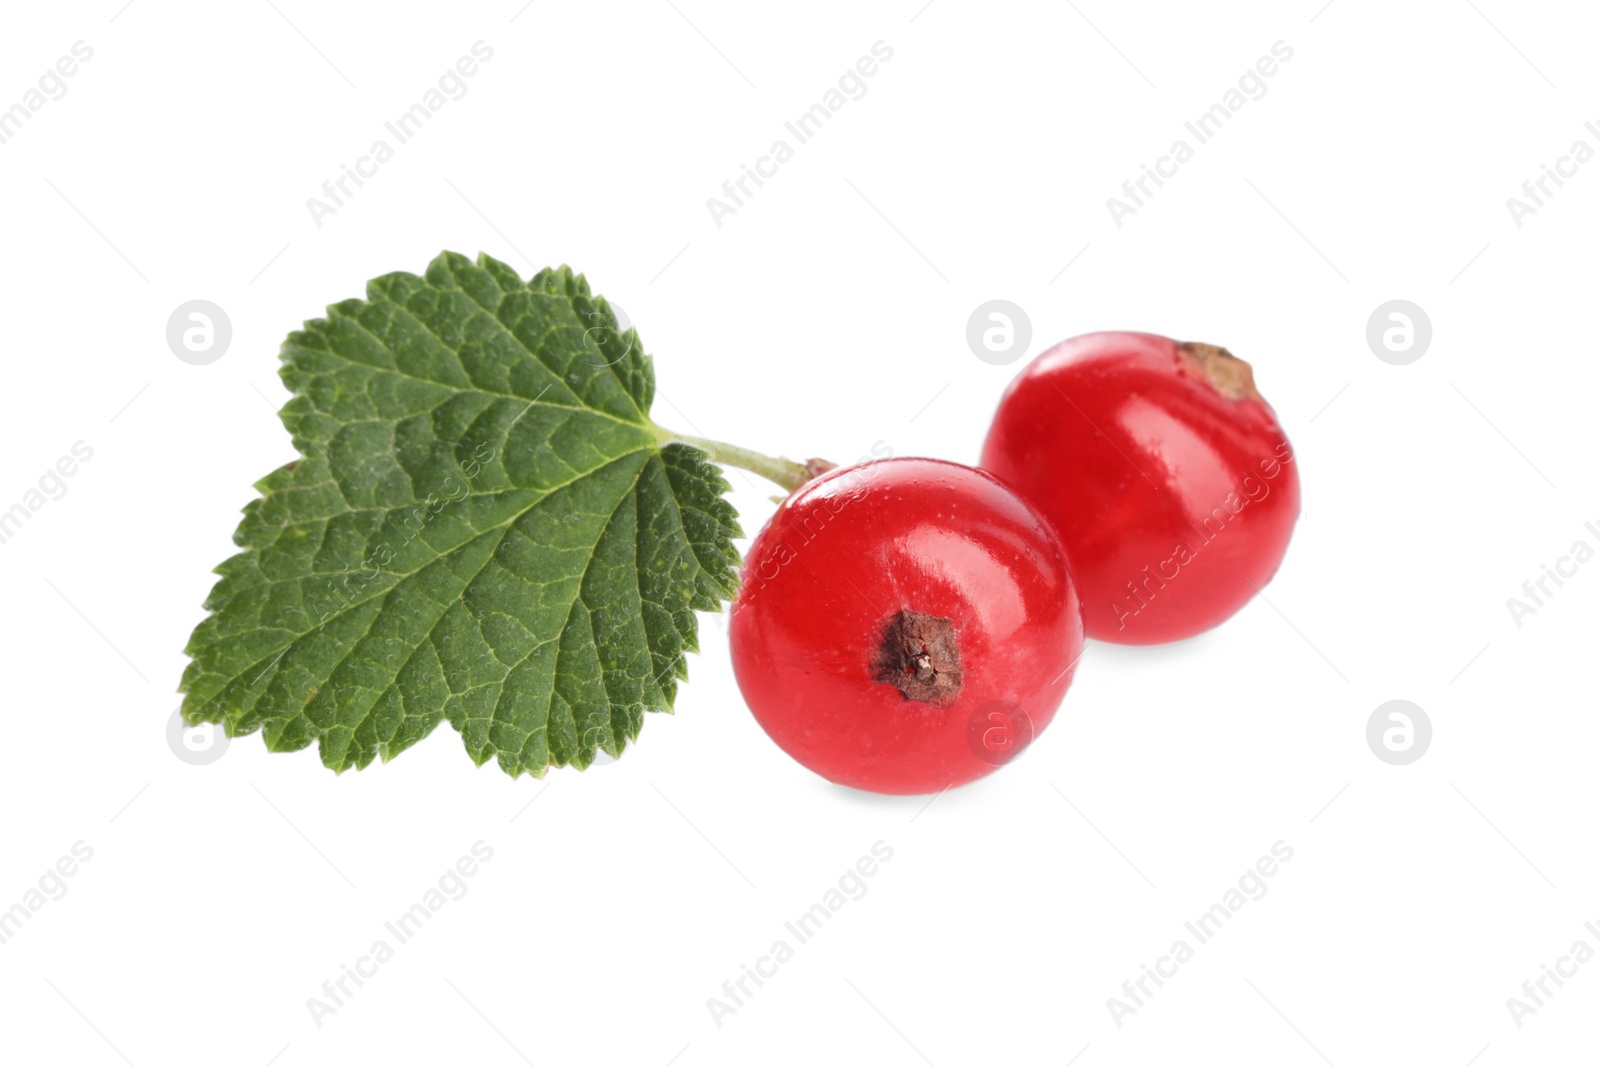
(502, 527)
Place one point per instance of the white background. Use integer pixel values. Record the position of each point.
(827, 314)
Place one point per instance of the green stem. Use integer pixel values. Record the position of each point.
(791, 475)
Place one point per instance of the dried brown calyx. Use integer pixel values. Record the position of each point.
(1226, 372)
(917, 654)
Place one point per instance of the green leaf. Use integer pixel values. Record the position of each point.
(483, 526)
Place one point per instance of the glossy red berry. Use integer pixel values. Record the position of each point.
(1164, 471)
(905, 625)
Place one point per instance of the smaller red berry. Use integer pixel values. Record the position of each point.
(1164, 471)
(905, 625)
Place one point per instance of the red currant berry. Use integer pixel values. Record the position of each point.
(905, 625)
(1164, 471)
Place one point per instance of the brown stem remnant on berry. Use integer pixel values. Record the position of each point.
(818, 467)
(917, 654)
(1226, 372)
